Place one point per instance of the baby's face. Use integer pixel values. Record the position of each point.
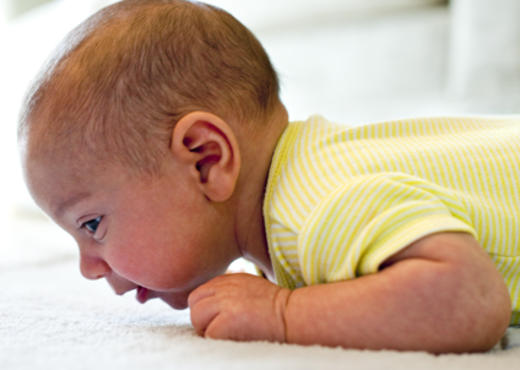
(155, 235)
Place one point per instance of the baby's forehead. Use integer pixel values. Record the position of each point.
(62, 156)
(45, 145)
(62, 176)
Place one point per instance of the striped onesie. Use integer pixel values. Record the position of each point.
(340, 200)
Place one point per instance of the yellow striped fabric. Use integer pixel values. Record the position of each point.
(340, 200)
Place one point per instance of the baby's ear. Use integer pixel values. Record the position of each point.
(208, 146)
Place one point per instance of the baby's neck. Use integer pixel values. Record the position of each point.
(249, 221)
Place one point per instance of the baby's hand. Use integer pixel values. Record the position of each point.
(239, 307)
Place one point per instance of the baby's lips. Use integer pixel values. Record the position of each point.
(142, 294)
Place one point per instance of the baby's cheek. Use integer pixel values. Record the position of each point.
(159, 265)
(148, 271)
(128, 265)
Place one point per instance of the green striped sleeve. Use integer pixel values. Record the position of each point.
(358, 226)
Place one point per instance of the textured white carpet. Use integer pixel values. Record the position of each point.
(51, 318)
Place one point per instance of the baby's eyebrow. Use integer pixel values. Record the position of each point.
(70, 202)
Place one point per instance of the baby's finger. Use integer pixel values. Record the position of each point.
(202, 313)
(218, 328)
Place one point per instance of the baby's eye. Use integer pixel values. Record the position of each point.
(92, 225)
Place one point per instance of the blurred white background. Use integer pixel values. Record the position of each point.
(350, 60)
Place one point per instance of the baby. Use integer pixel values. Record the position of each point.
(157, 139)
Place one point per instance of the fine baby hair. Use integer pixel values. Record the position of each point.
(120, 81)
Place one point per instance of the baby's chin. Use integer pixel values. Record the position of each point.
(178, 301)
(175, 299)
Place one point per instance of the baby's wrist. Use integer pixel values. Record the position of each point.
(281, 303)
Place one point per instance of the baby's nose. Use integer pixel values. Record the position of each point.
(93, 267)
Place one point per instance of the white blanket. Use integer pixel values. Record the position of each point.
(51, 318)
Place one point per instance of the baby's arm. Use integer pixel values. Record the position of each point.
(440, 294)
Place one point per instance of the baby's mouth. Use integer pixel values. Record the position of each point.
(141, 294)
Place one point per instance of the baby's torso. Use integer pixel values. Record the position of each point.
(332, 189)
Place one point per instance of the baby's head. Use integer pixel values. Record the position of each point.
(136, 133)
(124, 77)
